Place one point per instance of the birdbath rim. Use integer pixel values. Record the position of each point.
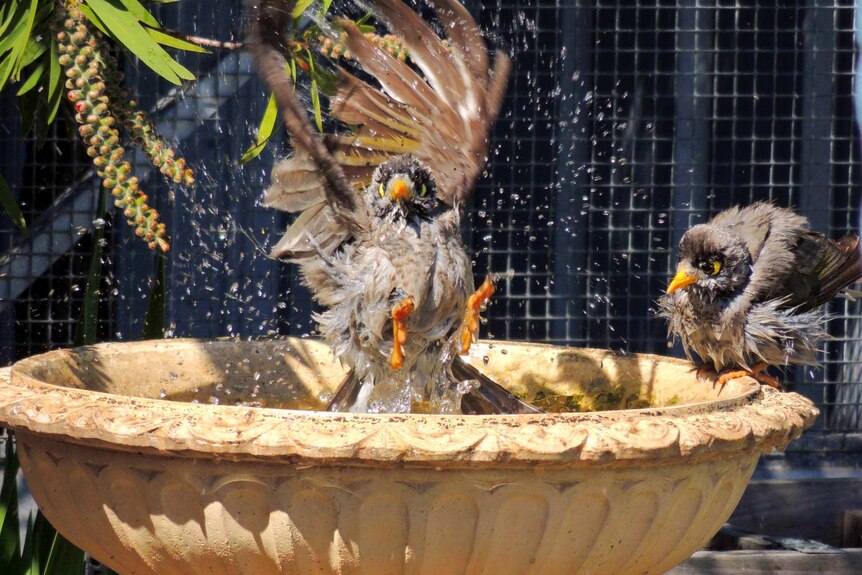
(748, 417)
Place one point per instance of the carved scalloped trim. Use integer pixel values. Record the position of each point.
(767, 420)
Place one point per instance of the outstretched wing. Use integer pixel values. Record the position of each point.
(825, 268)
(323, 181)
(442, 115)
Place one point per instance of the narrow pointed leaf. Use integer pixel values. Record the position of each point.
(33, 51)
(28, 554)
(93, 19)
(154, 323)
(10, 205)
(264, 131)
(86, 331)
(140, 12)
(20, 45)
(315, 104)
(63, 557)
(128, 31)
(174, 42)
(315, 93)
(301, 6)
(33, 79)
(7, 15)
(10, 542)
(53, 71)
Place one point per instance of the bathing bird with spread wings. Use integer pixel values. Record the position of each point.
(378, 237)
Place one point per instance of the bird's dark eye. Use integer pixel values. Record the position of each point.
(711, 266)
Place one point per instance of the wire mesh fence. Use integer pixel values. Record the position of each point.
(625, 123)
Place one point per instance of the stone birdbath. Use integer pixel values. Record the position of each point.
(128, 456)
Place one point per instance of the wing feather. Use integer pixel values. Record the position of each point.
(314, 232)
(442, 116)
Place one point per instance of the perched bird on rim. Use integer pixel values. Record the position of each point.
(748, 290)
(378, 240)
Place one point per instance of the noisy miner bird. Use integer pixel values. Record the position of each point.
(378, 239)
(748, 288)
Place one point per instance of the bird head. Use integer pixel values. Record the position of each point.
(713, 259)
(403, 185)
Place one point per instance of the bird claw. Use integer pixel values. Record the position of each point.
(400, 312)
(705, 371)
(475, 303)
(756, 372)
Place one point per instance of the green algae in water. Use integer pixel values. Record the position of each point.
(604, 399)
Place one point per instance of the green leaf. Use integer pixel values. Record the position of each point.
(33, 79)
(29, 554)
(154, 323)
(174, 42)
(20, 44)
(53, 107)
(326, 5)
(6, 66)
(34, 50)
(315, 93)
(94, 20)
(28, 106)
(362, 24)
(9, 42)
(86, 332)
(7, 10)
(264, 131)
(54, 73)
(128, 31)
(10, 205)
(140, 13)
(7, 34)
(301, 6)
(43, 537)
(63, 557)
(10, 542)
(315, 104)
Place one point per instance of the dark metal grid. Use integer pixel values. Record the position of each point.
(625, 124)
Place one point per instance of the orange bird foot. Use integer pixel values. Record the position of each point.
(400, 313)
(475, 303)
(756, 372)
(705, 371)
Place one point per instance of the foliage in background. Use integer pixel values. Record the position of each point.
(49, 49)
(44, 552)
(302, 55)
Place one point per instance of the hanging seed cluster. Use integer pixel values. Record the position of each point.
(94, 88)
(337, 49)
(141, 129)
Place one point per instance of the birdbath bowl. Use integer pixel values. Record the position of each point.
(128, 455)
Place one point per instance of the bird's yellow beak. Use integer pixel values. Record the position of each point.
(399, 190)
(681, 280)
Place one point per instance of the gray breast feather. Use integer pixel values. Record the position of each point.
(769, 332)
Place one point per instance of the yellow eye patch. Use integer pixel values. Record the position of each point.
(423, 191)
(382, 191)
(716, 267)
